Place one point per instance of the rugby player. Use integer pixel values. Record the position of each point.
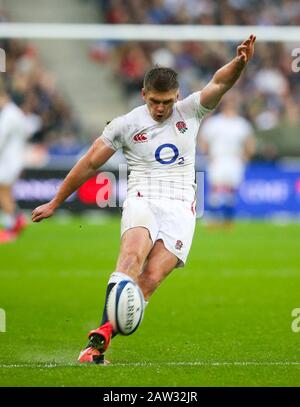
(158, 140)
(13, 137)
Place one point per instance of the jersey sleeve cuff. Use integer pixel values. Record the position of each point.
(201, 110)
(204, 110)
(108, 142)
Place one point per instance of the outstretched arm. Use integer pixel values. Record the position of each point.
(85, 168)
(226, 76)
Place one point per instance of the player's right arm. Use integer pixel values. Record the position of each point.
(84, 169)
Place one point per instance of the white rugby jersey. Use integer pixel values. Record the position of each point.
(13, 132)
(226, 136)
(160, 156)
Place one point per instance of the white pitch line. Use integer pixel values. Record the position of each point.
(150, 364)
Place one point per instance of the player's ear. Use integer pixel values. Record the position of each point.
(143, 94)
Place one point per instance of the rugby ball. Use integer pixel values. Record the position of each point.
(125, 307)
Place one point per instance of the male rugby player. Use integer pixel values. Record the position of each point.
(158, 140)
(13, 137)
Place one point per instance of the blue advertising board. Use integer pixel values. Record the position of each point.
(268, 190)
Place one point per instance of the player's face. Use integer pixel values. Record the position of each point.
(160, 104)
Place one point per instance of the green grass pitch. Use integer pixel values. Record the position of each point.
(223, 320)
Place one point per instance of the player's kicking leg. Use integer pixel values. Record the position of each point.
(135, 247)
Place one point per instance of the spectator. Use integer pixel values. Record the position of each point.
(269, 87)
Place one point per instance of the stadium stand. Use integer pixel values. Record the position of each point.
(268, 92)
(34, 89)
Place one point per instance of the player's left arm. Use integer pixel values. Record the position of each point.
(249, 148)
(203, 144)
(226, 76)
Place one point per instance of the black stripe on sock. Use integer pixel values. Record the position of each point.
(104, 315)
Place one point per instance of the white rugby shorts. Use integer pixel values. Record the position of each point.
(173, 221)
(10, 170)
(226, 172)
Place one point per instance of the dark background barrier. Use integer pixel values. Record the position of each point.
(36, 187)
(268, 190)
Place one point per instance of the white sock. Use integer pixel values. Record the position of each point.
(117, 276)
(8, 221)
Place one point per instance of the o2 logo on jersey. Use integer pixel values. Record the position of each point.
(172, 159)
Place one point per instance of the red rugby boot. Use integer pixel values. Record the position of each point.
(20, 224)
(7, 236)
(99, 340)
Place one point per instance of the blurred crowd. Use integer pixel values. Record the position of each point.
(268, 93)
(226, 12)
(33, 88)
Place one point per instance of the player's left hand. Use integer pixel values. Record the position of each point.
(245, 51)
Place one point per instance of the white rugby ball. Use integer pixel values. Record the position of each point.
(125, 307)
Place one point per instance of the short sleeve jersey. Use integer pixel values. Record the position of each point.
(160, 156)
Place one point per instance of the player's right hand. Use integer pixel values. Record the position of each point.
(42, 212)
(245, 51)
